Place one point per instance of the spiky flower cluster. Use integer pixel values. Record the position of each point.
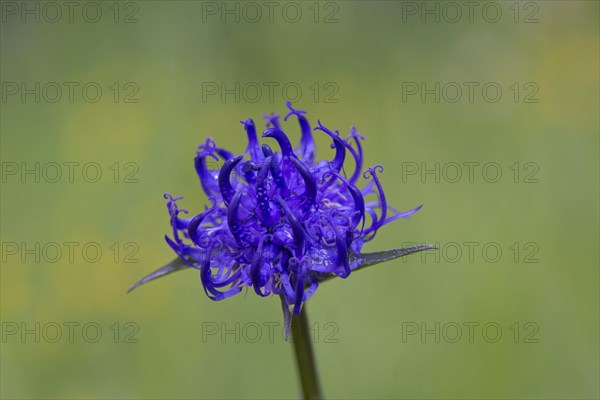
(279, 221)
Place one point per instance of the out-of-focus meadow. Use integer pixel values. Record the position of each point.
(508, 308)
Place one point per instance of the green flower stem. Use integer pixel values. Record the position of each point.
(305, 359)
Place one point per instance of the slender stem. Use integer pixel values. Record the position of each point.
(305, 359)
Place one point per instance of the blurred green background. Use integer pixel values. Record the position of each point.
(364, 55)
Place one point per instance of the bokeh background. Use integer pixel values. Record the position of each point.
(362, 56)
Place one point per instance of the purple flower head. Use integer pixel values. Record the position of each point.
(280, 221)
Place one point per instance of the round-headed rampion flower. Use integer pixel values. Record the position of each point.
(280, 221)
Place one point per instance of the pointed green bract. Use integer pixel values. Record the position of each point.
(176, 265)
(370, 259)
(366, 260)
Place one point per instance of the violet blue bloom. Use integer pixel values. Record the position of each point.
(280, 221)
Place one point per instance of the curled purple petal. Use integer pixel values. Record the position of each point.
(342, 256)
(197, 220)
(282, 140)
(340, 148)
(233, 220)
(227, 190)
(306, 150)
(310, 191)
(253, 146)
(296, 227)
(262, 195)
(272, 121)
